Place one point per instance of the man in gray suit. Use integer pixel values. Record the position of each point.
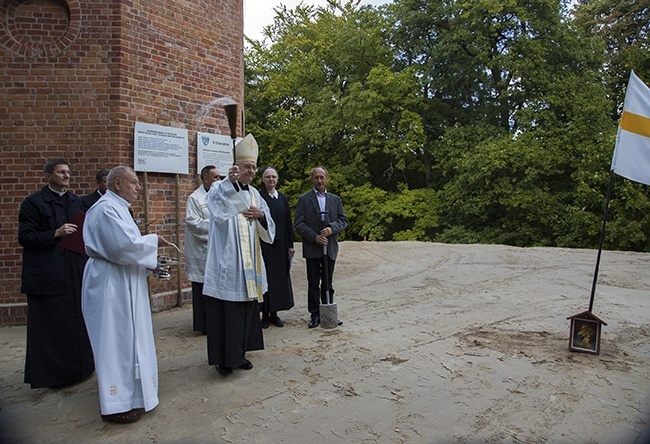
(319, 219)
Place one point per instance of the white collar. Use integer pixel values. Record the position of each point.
(60, 193)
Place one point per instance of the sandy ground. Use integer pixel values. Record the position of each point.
(440, 344)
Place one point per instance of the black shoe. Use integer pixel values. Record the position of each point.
(246, 365)
(223, 370)
(276, 321)
(265, 323)
(315, 322)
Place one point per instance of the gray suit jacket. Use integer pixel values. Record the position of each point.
(308, 224)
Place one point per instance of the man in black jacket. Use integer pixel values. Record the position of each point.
(319, 219)
(58, 349)
(89, 199)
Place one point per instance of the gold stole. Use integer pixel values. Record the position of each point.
(252, 265)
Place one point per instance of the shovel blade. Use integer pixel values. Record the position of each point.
(329, 316)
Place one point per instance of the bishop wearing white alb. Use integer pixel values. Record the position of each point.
(115, 301)
(235, 276)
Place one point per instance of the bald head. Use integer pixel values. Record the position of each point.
(123, 181)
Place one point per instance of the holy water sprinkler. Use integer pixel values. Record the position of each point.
(231, 113)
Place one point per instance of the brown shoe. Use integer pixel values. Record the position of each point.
(124, 417)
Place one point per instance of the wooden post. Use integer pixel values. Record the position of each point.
(145, 184)
(179, 278)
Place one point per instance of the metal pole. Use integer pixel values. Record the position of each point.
(602, 238)
(326, 276)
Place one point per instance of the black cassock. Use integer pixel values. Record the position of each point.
(276, 259)
(227, 322)
(58, 349)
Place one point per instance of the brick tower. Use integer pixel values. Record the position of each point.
(75, 77)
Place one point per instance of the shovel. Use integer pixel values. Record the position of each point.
(328, 312)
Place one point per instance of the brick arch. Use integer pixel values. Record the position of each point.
(39, 28)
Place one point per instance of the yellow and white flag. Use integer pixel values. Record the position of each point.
(632, 153)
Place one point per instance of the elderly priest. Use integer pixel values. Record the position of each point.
(115, 301)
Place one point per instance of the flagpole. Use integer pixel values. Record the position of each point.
(602, 238)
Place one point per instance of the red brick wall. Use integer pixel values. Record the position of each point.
(76, 76)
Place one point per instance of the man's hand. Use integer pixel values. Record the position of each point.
(321, 239)
(162, 242)
(233, 174)
(253, 213)
(65, 229)
(327, 231)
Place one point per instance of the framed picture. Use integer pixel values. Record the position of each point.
(585, 336)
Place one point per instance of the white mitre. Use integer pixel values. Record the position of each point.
(247, 149)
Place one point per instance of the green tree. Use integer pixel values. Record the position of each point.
(623, 26)
(458, 121)
(297, 85)
(324, 88)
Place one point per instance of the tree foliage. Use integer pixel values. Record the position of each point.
(457, 121)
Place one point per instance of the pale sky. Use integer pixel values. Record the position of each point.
(259, 13)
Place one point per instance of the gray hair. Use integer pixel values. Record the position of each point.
(311, 173)
(116, 173)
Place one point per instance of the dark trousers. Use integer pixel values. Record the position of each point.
(198, 307)
(316, 291)
(233, 328)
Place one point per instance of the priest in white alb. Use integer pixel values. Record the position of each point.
(197, 223)
(235, 276)
(115, 301)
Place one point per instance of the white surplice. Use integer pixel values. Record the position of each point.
(197, 223)
(115, 305)
(224, 269)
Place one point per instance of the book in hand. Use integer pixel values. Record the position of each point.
(75, 241)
